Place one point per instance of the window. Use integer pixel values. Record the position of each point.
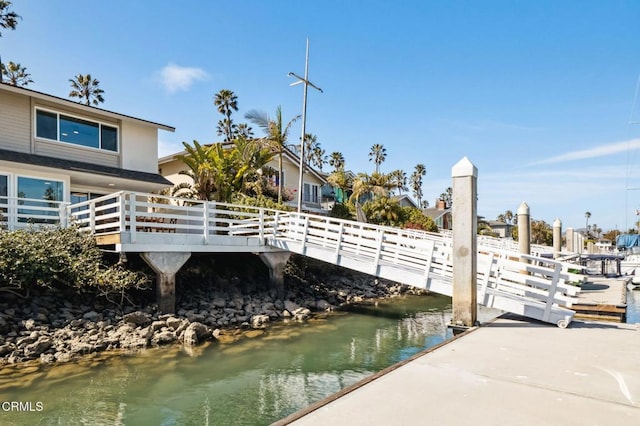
(38, 198)
(311, 193)
(4, 192)
(77, 131)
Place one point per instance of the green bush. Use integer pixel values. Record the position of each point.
(59, 257)
(341, 211)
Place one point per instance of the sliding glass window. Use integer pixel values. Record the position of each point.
(77, 131)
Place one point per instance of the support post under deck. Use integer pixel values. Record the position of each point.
(166, 265)
(276, 261)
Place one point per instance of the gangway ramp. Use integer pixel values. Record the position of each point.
(532, 286)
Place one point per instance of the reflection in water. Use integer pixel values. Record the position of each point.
(253, 381)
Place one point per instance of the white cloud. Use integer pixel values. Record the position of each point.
(595, 152)
(175, 78)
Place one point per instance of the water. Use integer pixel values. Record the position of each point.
(633, 306)
(253, 381)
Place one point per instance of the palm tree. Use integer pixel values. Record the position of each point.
(399, 180)
(86, 89)
(377, 154)
(8, 19)
(313, 153)
(508, 215)
(227, 102)
(336, 160)
(16, 74)
(277, 133)
(244, 131)
(587, 214)
(374, 185)
(200, 171)
(416, 182)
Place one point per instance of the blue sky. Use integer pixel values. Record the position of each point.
(538, 95)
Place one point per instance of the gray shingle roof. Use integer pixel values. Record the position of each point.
(60, 163)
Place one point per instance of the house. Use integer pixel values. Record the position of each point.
(441, 214)
(170, 167)
(404, 200)
(501, 229)
(54, 151)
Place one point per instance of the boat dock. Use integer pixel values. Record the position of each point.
(510, 371)
(602, 299)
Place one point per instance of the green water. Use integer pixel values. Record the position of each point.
(253, 381)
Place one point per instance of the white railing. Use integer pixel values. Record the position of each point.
(140, 213)
(20, 212)
(416, 258)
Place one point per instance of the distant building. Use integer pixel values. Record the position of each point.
(404, 200)
(501, 229)
(440, 214)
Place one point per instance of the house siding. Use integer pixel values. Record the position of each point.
(139, 147)
(15, 122)
(78, 153)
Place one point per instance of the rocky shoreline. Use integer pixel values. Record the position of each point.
(52, 327)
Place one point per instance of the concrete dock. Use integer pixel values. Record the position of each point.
(512, 371)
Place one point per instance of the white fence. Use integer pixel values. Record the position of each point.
(19, 212)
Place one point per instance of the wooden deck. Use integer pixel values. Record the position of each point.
(602, 299)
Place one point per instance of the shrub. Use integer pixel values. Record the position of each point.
(341, 211)
(59, 257)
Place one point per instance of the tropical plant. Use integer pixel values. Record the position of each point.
(416, 182)
(86, 89)
(15, 74)
(415, 219)
(313, 153)
(200, 171)
(277, 133)
(341, 182)
(541, 233)
(587, 215)
(342, 211)
(377, 154)
(370, 186)
(398, 180)
(336, 160)
(227, 102)
(383, 211)
(244, 131)
(447, 197)
(8, 18)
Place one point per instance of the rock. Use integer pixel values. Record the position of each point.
(323, 305)
(6, 349)
(63, 356)
(163, 338)
(47, 358)
(137, 318)
(173, 323)
(29, 324)
(258, 321)
(158, 325)
(91, 316)
(196, 333)
(35, 349)
(301, 314)
(219, 302)
(290, 306)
